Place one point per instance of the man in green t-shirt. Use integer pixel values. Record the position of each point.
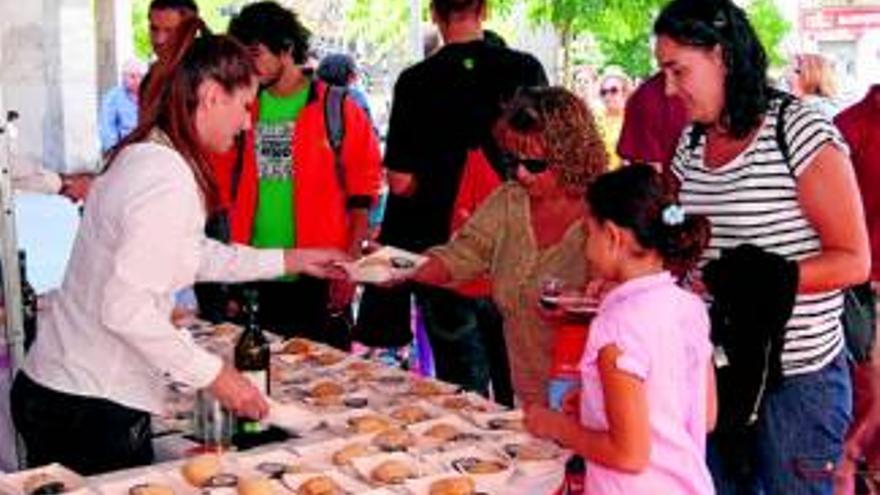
(292, 191)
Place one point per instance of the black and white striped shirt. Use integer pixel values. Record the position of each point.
(753, 199)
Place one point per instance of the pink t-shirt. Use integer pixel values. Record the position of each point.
(663, 334)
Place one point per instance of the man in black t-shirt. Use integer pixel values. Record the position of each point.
(443, 107)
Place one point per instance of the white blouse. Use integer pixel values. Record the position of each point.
(106, 333)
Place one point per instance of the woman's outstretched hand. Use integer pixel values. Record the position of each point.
(321, 263)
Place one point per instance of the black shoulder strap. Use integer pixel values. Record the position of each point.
(785, 100)
(334, 120)
(697, 132)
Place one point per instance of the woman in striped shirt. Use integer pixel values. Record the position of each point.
(791, 192)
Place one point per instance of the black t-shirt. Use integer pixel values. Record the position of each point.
(443, 107)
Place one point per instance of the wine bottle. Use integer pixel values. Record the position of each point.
(252, 357)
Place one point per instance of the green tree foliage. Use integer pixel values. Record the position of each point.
(771, 28)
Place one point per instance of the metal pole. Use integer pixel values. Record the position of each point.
(9, 257)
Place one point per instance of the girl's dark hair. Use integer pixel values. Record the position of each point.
(171, 96)
(708, 23)
(637, 198)
(273, 26)
(446, 8)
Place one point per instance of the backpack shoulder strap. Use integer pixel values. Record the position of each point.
(785, 101)
(696, 133)
(334, 119)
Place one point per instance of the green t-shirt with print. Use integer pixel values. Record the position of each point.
(274, 220)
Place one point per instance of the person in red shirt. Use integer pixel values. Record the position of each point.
(860, 125)
(652, 125)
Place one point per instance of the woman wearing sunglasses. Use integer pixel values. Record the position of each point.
(614, 90)
(531, 227)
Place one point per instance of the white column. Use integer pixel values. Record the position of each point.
(114, 40)
(48, 74)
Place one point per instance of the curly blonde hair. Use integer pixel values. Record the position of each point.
(564, 128)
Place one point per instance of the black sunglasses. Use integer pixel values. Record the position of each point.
(609, 91)
(532, 165)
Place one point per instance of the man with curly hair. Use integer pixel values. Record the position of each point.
(283, 186)
(443, 110)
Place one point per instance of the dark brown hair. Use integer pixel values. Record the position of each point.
(710, 23)
(277, 28)
(565, 129)
(637, 198)
(170, 97)
(446, 8)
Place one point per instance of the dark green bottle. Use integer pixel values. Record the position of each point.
(252, 357)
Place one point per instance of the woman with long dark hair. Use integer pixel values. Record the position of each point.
(770, 171)
(105, 347)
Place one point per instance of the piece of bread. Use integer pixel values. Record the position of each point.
(255, 486)
(410, 414)
(326, 389)
(392, 472)
(298, 346)
(533, 451)
(456, 403)
(443, 432)
(328, 358)
(459, 485)
(375, 262)
(150, 489)
(394, 439)
(319, 485)
(198, 470)
(358, 366)
(344, 456)
(426, 388)
(368, 424)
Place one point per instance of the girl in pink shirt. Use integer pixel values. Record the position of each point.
(647, 397)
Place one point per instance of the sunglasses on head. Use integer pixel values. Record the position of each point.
(532, 165)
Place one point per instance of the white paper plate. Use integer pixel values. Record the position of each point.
(321, 454)
(458, 460)
(422, 486)
(506, 421)
(383, 265)
(292, 417)
(508, 447)
(468, 432)
(349, 485)
(364, 466)
(14, 483)
(123, 486)
(265, 463)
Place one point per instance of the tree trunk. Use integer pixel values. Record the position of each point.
(565, 37)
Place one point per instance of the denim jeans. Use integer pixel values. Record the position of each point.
(799, 436)
(467, 337)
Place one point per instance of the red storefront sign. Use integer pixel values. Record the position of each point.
(851, 20)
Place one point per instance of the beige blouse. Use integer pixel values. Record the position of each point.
(498, 240)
